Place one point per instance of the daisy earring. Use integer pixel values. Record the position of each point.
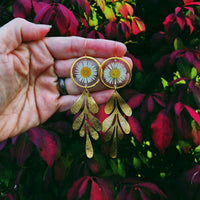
(85, 73)
(115, 74)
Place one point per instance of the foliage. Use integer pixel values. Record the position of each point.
(160, 159)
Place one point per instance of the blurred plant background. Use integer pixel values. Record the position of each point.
(160, 158)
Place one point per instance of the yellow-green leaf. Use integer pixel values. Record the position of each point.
(109, 13)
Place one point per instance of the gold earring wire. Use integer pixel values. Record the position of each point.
(85, 73)
(115, 74)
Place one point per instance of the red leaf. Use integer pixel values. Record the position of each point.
(191, 9)
(178, 108)
(137, 25)
(162, 129)
(46, 144)
(159, 101)
(187, 1)
(168, 20)
(181, 22)
(135, 128)
(136, 62)
(129, 8)
(87, 8)
(189, 23)
(106, 189)
(74, 190)
(111, 29)
(125, 9)
(95, 35)
(84, 22)
(177, 10)
(192, 4)
(83, 187)
(142, 194)
(151, 188)
(37, 6)
(22, 8)
(150, 104)
(44, 14)
(96, 193)
(122, 194)
(66, 21)
(136, 100)
(131, 195)
(193, 114)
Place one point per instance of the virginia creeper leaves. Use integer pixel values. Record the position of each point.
(99, 189)
(162, 129)
(46, 144)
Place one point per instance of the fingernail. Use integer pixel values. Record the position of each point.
(45, 25)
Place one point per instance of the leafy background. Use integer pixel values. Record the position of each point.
(159, 159)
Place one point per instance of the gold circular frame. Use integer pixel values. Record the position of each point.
(99, 71)
(130, 72)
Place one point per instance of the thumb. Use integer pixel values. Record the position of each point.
(19, 30)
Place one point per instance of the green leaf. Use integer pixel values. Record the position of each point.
(164, 83)
(178, 44)
(149, 154)
(113, 165)
(137, 163)
(121, 168)
(93, 20)
(109, 13)
(193, 73)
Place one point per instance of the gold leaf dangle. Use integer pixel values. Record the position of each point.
(85, 73)
(115, 74)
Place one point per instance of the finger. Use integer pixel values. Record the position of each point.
(66, 102)
(19, 30)
(70, 47)
(63, 67)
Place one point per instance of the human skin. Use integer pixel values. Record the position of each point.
(30, 65)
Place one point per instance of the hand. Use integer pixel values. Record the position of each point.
(29, 68)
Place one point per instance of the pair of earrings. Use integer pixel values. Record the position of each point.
(114, 73)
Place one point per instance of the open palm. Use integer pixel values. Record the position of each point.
(29, 68)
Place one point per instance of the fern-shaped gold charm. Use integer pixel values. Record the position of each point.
(116, 73)
(116, 125)
(85, 74)
(87, 124)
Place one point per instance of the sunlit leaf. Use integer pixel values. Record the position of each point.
(109, 13)
(101, 4)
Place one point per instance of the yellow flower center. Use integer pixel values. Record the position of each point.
(115, 73)
(86, 72)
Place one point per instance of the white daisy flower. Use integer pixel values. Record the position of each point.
(86, 71)
(115, 73)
